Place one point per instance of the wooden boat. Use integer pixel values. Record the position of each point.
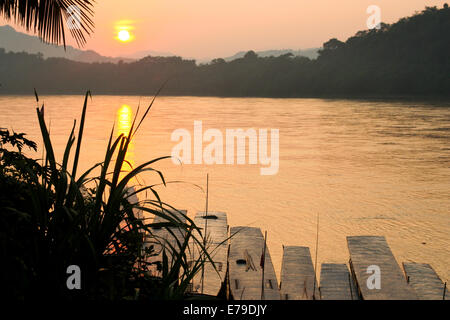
(245, 267)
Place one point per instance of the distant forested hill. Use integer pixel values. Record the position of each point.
(311, 53)
(410, 57)
(14, 41)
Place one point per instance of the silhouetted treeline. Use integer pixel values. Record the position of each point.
(408, 57)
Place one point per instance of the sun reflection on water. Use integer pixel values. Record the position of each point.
(124, 120)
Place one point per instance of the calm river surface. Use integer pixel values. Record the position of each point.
(366, 167)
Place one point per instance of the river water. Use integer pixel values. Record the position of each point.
(366, 167)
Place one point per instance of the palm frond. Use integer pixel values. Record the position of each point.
(48, 18)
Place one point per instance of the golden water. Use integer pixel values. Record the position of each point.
(366, 167)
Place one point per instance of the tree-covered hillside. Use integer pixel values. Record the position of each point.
(410, 57)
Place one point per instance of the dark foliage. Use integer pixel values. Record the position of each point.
(52, 218)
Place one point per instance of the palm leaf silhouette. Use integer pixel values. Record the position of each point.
(48, 18)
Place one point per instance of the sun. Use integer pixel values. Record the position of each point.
(124, 35)
(124, 31)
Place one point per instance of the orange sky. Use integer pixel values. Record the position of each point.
(215, 28)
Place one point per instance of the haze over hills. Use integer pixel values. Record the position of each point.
(145, 53)
(14, 41)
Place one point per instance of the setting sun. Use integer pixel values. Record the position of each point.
(124, 35)
(124, 30)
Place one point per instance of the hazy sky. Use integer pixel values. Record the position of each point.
(217, 28)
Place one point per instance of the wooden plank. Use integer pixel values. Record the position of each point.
(162, 239)
(336, 282)
(245, 272)
(297, 275)
(217, 246)
(133, 199)
(424, 280)
(368, 251)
